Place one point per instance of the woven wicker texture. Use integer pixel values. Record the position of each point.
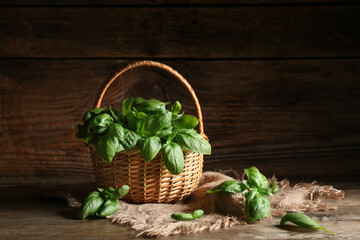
(149, 182)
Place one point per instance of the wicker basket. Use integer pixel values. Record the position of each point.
(149, 182)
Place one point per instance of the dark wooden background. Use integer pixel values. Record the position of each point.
(278, 80)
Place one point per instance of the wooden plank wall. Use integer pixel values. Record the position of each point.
(278, 80)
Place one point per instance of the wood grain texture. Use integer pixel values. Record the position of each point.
(163, 2)
(194, 32)
(44, 214)
(287, 117)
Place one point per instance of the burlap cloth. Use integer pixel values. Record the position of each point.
(221, 210)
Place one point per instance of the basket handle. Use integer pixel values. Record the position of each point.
(167, 69)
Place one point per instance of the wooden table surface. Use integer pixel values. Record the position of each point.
(34, 209)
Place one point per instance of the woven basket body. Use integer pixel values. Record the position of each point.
(149, 182)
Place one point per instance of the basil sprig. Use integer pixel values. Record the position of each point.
(256, 204)
(144, 125)
(103, 202)
(187, 216)
(303, 220)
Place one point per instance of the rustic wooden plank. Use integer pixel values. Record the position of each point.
(163, 2)
(40, 217)
(298, 117)
(194, 32)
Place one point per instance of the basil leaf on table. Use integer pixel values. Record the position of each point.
(187, 216)
(127, 106)
(122, 191)
(190, 140)
(256, 205)
(303, 220)
(230, 186)
(186, 121)
(91, 205)
(274, 188)
(101, 121)
(109, 207)
(106, 147)
(175, 108)
(173, 157)
(198, 213)
(103, 202)
(110, 192)
(149, 147)
(255, 178)
(182, 216)
(130, 140)
(152, 125)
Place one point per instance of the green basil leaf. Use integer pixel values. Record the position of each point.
(90, 205)
(90, 138)
(81, 131)
(198, 213)
(182, 216)
(106, 147)
(149, 147)
(100, 121)
(130, 140)
(138, 100)
(151, 106)
(186, 121)
(116, 115)
(139, 115)
(154, 124)
(131, 120)
(92, 113)
(274, 188)
(171, 136)
(117, 130)
(98, 130)
(110, 192)
(230, 186)
(133, 117)
(173, 157)
(190, 140)
(255, 178)
(120, 148)
(256, 205)
(266, 191)
(175, 108)
(187, 216)
(164, 132)
(109, 207)
(127, 105)
(303, 220)
(122, 191)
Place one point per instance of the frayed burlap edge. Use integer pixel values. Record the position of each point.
(222, 210)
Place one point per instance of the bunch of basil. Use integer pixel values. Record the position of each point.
(145, 125)
(256, 204)
(103, 202)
